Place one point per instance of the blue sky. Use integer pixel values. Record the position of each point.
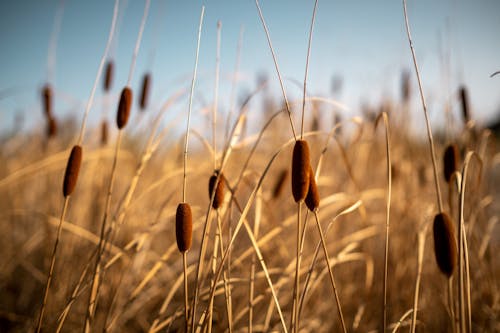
(362, 41)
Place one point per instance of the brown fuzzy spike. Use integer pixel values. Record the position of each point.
(445, 244)
(300, 170)
(51, 127)
(451, 159)
(72, 170)
(219, 189)
(280, 183)
(124, 108)
(464, 100)
(183, 227)
(312, 199)
(108, 76)
(146, 83)
(47, 100)
(104, 133)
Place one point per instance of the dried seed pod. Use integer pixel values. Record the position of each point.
(312, 199)
(445, 244)
(219, 189)
(280, 183)
(183, 227)
(146, 83)
(72, 170)
(124, 108)
(108, 75)
(47, 100)
(405, 86)
(104, 133)
(300, 170)
(451, 159)
(51, 127)
(464, 100)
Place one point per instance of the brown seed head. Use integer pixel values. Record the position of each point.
(146, 83)
(72, 170)
(219, 189)
(280, 183)
(104, 133)
(51, 127)
(124, 108)
(312, 198)
(300, 170)
(405, 86)
(108, 76)
(183, 227)
(445, 244)
(451, 159)
(464, 100)
(47, 100)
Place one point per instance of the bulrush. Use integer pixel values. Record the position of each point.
(47, 100)
(108, 75)
(312, 198)
(445, 244)
(124, 108)
(146, 83)
(451, 158)
(300, 170)
(51, 127)
(104, 133)
(183, 227)
(280, 183)
(219, 189)
(72, 170)
(464, 100)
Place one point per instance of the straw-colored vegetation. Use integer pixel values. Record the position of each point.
(338, 226)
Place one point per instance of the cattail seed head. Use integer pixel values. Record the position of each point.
(280, 183)
(72, 170)
(405, 86)
(104, 133)
(183, 227)
(124, 108)
(300, 170)
(464, 100)
(146, 83)
(47, 100)
(51, 127)
(445, 244)
(108, 75)
(219, 189)
(312, 199)
(451, 159)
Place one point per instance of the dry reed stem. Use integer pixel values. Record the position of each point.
(424, 106)
(345, 211)
(307, 67)
(462, 243)
(387, 212)
(99, 72)
(52, 265)
(216, 92)
(422, 236)
(330, 271)
(234, 79)
(277, 68)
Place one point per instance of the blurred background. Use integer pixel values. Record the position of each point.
(359, 52)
